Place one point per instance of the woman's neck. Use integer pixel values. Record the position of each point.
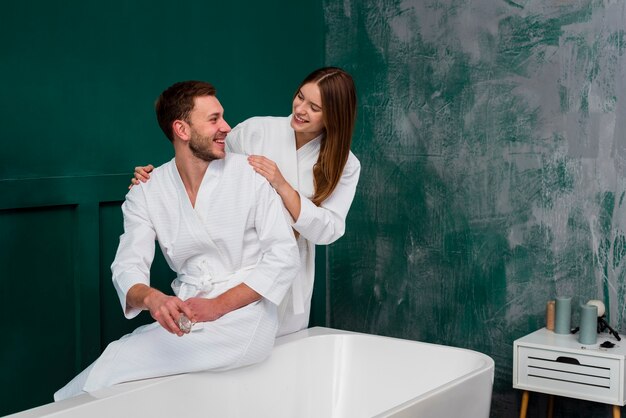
(303, 138)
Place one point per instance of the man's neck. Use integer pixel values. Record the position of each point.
(191, 170)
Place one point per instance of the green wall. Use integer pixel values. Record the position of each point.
(78, 83)
(492, 140)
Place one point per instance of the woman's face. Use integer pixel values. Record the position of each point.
(308, 115)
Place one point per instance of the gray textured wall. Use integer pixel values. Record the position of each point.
(492, 138)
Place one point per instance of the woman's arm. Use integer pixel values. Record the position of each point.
(268, 169)
(321, 225)
(326, 223)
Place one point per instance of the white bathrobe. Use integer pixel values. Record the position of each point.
(274, 138)
(236, 233)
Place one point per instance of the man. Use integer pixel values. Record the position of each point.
(221, 228)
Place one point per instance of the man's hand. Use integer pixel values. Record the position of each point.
(163, 308)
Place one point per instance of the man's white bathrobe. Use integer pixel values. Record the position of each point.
(274, 138)
(236, 234)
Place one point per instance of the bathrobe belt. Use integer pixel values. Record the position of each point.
(297, 289)
(300, 286)
(186, 286)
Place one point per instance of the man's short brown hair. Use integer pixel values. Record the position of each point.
(177, 102)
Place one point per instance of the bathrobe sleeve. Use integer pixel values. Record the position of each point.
(269, 136)
(327, 223)
(280, 260)
(135, 252)
(234, 139)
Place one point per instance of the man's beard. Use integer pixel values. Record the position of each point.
(200, 147)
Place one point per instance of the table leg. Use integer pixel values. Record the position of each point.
(617, 411)
(524, 407)
(550, 406)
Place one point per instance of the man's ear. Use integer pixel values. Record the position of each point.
(181, 129)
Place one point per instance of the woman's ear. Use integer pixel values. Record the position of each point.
(181, 129)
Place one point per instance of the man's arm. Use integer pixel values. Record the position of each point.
(131, 268)
(212, 309)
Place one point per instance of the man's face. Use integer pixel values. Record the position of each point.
(208, 129)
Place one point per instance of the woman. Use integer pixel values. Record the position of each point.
(306, 157)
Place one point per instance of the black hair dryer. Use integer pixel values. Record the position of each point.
(602, 324)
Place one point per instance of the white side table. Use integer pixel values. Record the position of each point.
(559, 365)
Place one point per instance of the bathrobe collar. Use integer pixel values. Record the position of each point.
(194, 217)
(307, 157)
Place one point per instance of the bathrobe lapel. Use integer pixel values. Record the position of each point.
(307, 157)
(197, 226)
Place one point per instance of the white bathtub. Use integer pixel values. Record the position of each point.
(315, 373)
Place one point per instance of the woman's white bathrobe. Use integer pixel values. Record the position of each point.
(236, 233)
(274, 138)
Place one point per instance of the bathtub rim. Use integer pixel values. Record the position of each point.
(102, 395)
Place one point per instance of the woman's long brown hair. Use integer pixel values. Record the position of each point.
(339, 109)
